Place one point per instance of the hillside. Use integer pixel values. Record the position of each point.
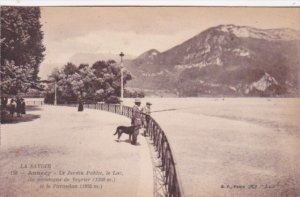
(225, 60)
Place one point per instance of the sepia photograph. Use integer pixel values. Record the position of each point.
(150, 101)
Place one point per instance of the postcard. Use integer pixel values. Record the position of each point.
(150, 101)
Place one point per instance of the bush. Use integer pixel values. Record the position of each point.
(134, 94)
(113, 100)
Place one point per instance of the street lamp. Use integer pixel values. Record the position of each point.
(55, 93)
(122, 88)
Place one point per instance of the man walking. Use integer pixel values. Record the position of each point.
(136, 120)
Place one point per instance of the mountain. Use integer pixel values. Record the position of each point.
(90, 58)
(226, 60)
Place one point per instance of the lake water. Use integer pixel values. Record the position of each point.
(233, 146)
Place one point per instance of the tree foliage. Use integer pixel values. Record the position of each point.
(21, 48)
(92, 83)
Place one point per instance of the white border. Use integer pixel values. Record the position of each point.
(268, 3)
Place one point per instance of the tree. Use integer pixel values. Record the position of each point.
(21, 49)
(109, 74)
(96, 83)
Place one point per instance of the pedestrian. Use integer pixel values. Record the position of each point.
(23, 106)
(18, 107)
(80, 105)
(12, 107)
(4, 101)
(136, 120)
(146, 117)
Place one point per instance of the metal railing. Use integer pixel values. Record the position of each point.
(163, 148)
(160, 142)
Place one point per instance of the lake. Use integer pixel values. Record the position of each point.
(233, 146)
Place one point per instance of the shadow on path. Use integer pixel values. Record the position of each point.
(33, 108)
(24, 118)
(32, 151)
(128, 141)
(7, 119)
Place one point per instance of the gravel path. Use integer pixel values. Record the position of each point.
(73, 143)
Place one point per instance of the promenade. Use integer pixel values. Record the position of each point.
(35, 154)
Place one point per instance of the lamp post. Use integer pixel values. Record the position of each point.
(55, 93)
(122, 88)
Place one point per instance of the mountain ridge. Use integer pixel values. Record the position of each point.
(213, 61)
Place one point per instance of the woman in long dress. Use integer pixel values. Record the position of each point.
(18, 107)
(23, 106)
(80, 105)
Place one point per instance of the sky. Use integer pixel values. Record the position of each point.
(134, 30)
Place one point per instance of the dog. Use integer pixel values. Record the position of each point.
(123, 129)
